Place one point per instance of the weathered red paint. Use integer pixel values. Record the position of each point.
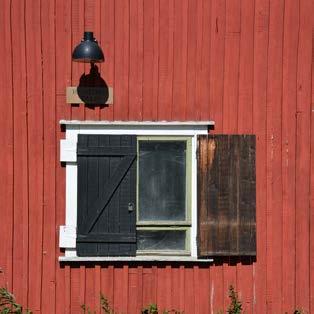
(247, 65)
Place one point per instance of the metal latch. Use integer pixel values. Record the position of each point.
(130, 207)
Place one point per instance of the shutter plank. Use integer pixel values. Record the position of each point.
(128, 188)
(226, 195)
(82, 195)
(104, 177)
(247, 196)
(93, 186)
(203, 164)
(114, 204)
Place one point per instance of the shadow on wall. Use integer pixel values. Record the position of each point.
(230, 261)
(99, 94)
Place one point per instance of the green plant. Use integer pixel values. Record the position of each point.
(8, 304)
(153, 309)
(104, 305)
(87, 310)
(150, 309)
(236, 305)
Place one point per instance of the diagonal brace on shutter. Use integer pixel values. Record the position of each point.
(100, 203)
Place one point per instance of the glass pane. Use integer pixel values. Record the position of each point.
(161, 240)
(162, 180)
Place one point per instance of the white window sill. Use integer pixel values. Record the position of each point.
(188, 259)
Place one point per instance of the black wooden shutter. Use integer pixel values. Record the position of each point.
(106, 216)
(226, 195)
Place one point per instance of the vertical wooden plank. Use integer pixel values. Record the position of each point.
(200, 41)
(92, 23)
(97, 288)
(67, 290)
(154, 281)
(121, 75)
(216, 287)
(312, 192)
(303, 154)
(107, 39)
(261, 27)
(63, 111)
(107, 283)
(246, 198)
(117, 287)
(189, 294)
(175, 288)
(197, 290)
(35, 149)
(290, 59)
(231, 66)
(125, 292)
(49, 81)
(150, 60)
(103, 178)
(274, 160)
(192, 53)
(229, 279)
(6, 141)
(204, 289)
(136, 60)
(20, 192)
(78, 69)
(128, 194)
(245, 125)
(204, 76)
(161, 288)
(166, 53)
(76, 283)
(217, 52)
(205, 159)
(81, 294)
(167, 284)
(149, 285)
(180, 46)
(133, 291)
(90, 293)
(246, 62)
(140, 304)
(244, 284)
(97, 29)
(82, 197)
(121, 286)
(182, 288)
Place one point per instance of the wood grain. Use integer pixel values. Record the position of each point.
(227, 219)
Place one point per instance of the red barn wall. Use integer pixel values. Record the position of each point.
(246, 64)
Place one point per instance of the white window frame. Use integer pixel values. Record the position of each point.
(68, 155)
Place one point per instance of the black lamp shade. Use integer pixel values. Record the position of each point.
(88, 50)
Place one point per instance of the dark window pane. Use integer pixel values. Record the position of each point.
(162, 180)
(161, 240)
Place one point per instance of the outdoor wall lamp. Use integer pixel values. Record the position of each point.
(88, 50)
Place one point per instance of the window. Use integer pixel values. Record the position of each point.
(163, 195)
(157, 189)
